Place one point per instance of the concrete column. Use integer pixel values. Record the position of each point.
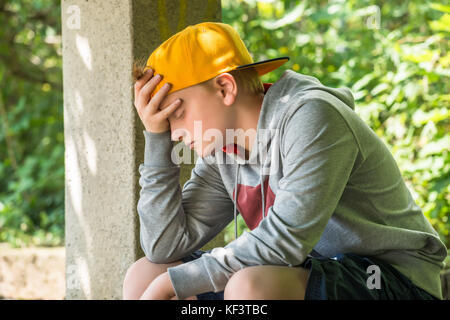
(103, 133)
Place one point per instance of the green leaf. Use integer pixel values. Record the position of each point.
(441, 7)
(361, 83)
(294, 15)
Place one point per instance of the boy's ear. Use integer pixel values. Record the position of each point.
(228, 87)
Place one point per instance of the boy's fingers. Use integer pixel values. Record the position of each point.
(166, 112)
(142, 81)
(155, 102)
(145, 92)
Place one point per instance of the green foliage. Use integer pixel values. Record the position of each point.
(397, 67)
(31, 126)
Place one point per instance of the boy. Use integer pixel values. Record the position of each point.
(329, 213)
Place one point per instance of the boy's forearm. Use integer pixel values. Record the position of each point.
(160, 197)
(158, 149)
(176, 221)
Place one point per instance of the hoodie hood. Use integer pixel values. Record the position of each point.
(291, 89)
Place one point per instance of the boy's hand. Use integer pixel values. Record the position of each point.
(152, 117)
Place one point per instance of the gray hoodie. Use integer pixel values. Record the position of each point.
(329, 185)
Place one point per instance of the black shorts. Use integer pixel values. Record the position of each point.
(346, 277)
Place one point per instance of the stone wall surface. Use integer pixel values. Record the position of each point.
(103, 134)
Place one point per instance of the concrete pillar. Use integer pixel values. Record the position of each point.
(103, 133)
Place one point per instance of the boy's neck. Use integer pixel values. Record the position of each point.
(247, 118)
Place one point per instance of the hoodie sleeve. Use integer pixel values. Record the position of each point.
(318, 151)
(175, 222)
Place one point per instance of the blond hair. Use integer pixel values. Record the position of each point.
(138, 68)
(246, 79)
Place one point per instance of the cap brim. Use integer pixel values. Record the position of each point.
(263, 67)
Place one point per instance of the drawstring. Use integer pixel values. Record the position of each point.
(235, 197)
(262, 191)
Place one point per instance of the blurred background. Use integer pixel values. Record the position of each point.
(393, 55)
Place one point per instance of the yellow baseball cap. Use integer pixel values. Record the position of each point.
(202, 51)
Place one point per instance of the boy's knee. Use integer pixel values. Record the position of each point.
(137, 267)
(267, 282)
(139, 276)
(143, 266)
(242, 285)
(131, 288)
